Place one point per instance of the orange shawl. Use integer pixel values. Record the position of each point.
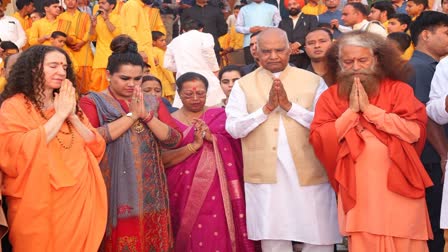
(406, 176)
(56, 197)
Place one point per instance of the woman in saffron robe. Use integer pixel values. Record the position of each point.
(135, 127)
(205, 176)
(54, 190)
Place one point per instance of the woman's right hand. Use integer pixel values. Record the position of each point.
(198, 139)
(65, 100)
(137, 104)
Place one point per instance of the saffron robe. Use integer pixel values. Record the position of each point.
(56, 196)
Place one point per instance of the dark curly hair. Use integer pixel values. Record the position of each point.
(27, 76)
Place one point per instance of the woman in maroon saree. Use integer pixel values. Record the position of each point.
(205, 177)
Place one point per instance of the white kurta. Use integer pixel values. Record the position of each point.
(436, 111)
(193, 52)
(11, 30)
(285, 210)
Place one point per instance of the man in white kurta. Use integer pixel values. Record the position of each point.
(437, 111)
(294, 202)
(193, 52)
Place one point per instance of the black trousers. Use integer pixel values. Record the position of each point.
(6, 245)
(434, 204)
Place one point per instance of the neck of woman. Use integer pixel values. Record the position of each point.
(48, 98)
(192, 114)
(189, 116)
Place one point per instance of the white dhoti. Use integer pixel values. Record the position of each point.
(444, 210)
(288, 211)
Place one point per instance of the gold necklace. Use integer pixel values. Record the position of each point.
(138, 127)
(70, 131)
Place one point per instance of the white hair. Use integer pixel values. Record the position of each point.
(270, 31)
(361, 39)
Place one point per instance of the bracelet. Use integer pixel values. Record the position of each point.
(129, 115)
(149, 117)
(191, 148)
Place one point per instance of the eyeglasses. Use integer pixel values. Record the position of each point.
(188, 94)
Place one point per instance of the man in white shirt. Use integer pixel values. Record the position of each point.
(11, 29)
(193, 52)
(437, 109)
(255, 17)
(231, 19)
(288, 197)
(355, 15)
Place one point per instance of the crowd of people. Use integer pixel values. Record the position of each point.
(222, 125)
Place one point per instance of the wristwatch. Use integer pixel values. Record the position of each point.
(130, 115)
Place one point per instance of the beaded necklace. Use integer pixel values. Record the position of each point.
(70, 132)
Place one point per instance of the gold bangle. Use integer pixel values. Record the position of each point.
(191, 148)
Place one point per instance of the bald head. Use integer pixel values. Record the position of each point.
(273, 49)
(272, 32)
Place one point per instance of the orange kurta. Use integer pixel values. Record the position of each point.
(117, 9)
(135, 24)
(103, 38)
(56, 197)
(26, 23)
(2, 83)
(44, 27)
(79, 30)
(408, 53)
(165, 76)
(155, 20)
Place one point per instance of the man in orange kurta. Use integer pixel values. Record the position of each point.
(105, 27)
(155, 19)
(56, 196)
(368, 131)
(79, 46)
(40, 31)
(135, 24)
(24, 9)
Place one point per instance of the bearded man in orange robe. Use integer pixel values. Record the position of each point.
(368, 132)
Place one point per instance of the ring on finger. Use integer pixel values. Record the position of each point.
(203, 134)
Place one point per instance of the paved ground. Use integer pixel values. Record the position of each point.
(339, 248)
